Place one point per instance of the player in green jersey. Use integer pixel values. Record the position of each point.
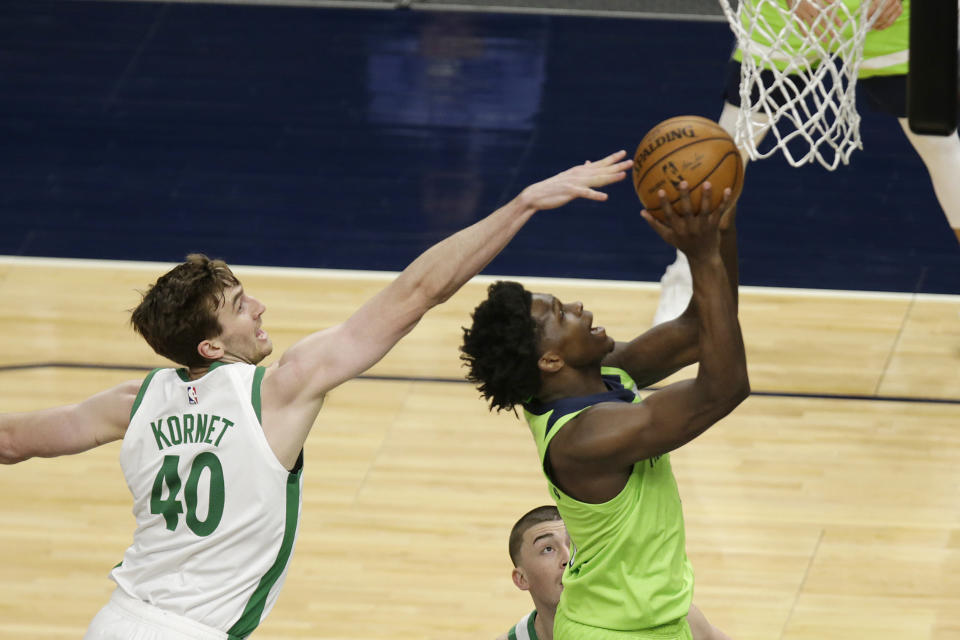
(540, 550)
(603, 452)
(882, 80)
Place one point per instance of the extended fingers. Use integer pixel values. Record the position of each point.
(706, 198)
(665, 205)
(888, 14)
(590, 194)
(686, 206)
(728, 208)
(612, 158)
(717, 214)
(596, 174)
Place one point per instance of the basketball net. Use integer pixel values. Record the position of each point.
(810, 106)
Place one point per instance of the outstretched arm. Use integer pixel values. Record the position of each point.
(325, 359)
(608, 438)
(70, 429)
(668, 347)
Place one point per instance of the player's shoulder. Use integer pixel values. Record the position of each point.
(128, 390)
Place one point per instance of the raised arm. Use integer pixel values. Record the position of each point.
(294, 388)
(323, 360)
(69, 429)
(608, 438)
(668, 347)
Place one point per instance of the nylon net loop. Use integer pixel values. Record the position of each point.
(798, 81)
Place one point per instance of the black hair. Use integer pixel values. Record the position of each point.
(501, 347)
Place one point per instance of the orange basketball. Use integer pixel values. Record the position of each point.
(687, 148)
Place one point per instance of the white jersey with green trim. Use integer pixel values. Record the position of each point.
(525, 629)
(217, 513)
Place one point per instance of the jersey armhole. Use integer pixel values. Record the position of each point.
(142, 390)
(255, 392)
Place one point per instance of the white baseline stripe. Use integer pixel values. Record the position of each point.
(386, 276)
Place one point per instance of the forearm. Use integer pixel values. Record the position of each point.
(445, 267)
(731, 261)
(26, 435)
(68, 429)
(723, 370)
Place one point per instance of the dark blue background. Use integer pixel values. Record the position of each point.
(355, 139)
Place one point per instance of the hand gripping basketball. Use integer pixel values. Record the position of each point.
(685, 148)
(690, 230)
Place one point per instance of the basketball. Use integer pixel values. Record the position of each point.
(687, 148)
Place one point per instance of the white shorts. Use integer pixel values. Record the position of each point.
(126, 618)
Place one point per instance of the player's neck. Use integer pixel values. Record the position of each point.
(571, 383)
(195, 373)
(544, 623)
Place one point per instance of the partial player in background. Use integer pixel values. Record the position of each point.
(213, 451)
(882, 79)
(603, 450)
(540, 550)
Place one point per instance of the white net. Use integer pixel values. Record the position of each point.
(799, 67)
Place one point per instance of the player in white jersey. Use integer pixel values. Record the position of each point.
(212, 451)
(540, 550)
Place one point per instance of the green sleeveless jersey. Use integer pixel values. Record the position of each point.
(629, 569)
(885, 52)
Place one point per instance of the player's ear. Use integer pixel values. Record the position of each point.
(210, 349)
(550, 362)
(520, 579)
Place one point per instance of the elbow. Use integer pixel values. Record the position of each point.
(429, 295)
(9, 454)
(739, 389)
(743, 391)
(727, 394)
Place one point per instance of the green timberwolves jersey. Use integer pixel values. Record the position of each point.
(629, 569)
(216, 512)
(885, 52)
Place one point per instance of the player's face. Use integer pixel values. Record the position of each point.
(240, 316)
(567, 329)
(544, 554)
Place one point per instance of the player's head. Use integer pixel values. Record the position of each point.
(517, 338)
(540, 550)
(198, 313)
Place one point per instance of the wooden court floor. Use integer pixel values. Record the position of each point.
(826, 507)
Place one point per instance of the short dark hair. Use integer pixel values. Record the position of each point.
(179, 311)
(501, 347)
(546, 513)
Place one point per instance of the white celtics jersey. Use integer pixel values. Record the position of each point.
(217, 514)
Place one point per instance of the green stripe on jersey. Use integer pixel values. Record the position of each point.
(252, 613)
(525, 628)
(143, 390)
(255, 392)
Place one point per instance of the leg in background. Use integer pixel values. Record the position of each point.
(941, 155)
